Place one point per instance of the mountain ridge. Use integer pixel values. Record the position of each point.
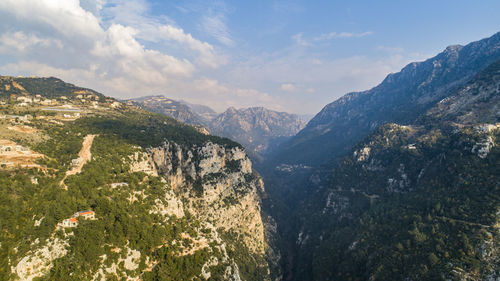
(259, 129)
(400, 97)
(436, 179)
(304, 167)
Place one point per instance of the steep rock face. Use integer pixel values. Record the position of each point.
(400, 98)
(218, 186)
(166, 201)
(226, 189)
(476, 102)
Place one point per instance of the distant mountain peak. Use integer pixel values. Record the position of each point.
(259, 129)
(453, 49)
(401, 98)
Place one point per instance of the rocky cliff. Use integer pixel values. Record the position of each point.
(218, 186)
(257, 128)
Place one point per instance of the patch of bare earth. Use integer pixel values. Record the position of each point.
(14, 155)
(17, 86)
(195, 245)
(84, 156)
(22, 129)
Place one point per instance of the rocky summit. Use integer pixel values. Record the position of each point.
(401, 97)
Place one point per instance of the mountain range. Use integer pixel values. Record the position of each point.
(400, 98)
(414, 202)
(260, 130)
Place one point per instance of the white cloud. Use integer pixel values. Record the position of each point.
(299, 39)
(65, 17)
(60, 38)
(17, 42)
(288, 87)
(206, 51)
(110, 48)
(334, 35)
(135, 13)
(216, 27)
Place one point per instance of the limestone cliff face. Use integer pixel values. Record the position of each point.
(258, 129)
(218, 187)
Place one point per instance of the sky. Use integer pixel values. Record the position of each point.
(294, 56)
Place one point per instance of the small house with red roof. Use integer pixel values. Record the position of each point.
(73, 221)
(87, 214)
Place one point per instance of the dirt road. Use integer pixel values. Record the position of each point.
(84, 156)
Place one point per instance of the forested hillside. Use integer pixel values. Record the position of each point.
(414, 202)
(170, 203)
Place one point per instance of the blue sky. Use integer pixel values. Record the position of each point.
(293, 56)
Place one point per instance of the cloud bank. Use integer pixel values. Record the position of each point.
(123, 49)
(102, 47)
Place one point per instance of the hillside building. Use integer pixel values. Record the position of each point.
(73, 221)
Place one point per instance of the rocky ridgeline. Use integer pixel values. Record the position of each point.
(427, 189)
(259, 129)
(212, 184)
(401, 98)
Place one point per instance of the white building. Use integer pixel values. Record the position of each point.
(87, 214)
(71, 222)
(25, 99)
